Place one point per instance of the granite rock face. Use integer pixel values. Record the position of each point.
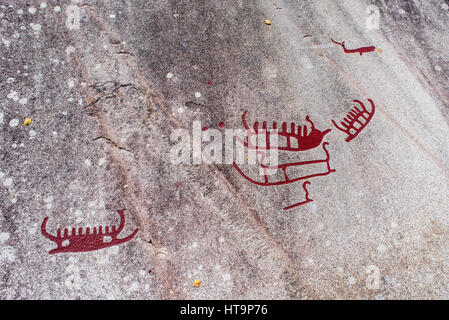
(106, 83)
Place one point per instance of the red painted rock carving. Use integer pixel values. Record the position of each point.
(302, 140)
(87, 241)
(356, 120)
(302, 202)
(361, 50)
(296, 139)
(286, 179)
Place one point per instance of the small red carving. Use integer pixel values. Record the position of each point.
(87, 242)
(205, 128)
(356, 116)
(302, 202)
(221, 125)
(209, 83)
(304, 141)
(358, 50)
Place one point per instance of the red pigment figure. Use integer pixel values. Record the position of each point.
(304, 142)
(87, 242)
(358, 50)
(302, 202)
(356, 120)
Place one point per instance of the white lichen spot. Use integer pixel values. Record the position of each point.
(87, 162)
(134, 287)
(437, 68)
(55, 133)
(32, 230)
(23, 100)
(444, 6)
(14, 123)
(57, 9)
(381, 248)
(306, 63)
(180, 110)
(112, 16)
(14, 145)
(7, 183)
(14, 200)
(351, 280)
(8, 254)
(373, 17)
(69, 50)
(36, 27)
(73, 17)
(71, 83)
(114, 250)
(4, 236)
(169, 75)
(102, 161)
(32, 10)
(391, 281)
(49, 202)
(32, 134)
(2, 116)
(43, 5)
(6, 42)
(226, 277)
(20, 12)
(98, 66)
(10, 80)
(197, 94)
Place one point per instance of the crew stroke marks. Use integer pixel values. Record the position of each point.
(83, 242)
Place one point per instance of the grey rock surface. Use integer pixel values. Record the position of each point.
(106, 90)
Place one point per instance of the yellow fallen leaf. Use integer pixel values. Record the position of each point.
(90, 99)
(27, 121)
(267, 22)
(379, 50)
(197, 283)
